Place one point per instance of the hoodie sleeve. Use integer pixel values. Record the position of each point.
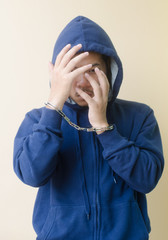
(36, 146)
(140, 162)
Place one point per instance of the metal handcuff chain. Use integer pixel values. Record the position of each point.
(92, 129)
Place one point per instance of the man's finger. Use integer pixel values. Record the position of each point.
(75, 61)
(80, 70)
(69, 55)
(104, 83)
(85, 96)
(61, 54)
(95, 86)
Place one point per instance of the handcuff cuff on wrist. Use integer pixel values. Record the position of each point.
(92, 129)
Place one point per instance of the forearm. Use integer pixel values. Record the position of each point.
(36, 153)
(141, 167)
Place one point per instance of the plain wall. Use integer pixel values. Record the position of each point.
(28, 30)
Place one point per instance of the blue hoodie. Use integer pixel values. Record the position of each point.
(90, 186)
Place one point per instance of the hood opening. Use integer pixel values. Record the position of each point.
(93, 39)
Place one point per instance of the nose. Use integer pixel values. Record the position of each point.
(82, 81)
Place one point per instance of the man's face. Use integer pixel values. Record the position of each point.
(81, 82)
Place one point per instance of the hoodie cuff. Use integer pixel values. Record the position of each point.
(50, 118)
(108, 138)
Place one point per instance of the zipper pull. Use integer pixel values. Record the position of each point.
(88, 215)
(115, 181)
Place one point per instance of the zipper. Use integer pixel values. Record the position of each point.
(97, 207)
(96, 211)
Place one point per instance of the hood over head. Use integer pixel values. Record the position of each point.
(93, 38)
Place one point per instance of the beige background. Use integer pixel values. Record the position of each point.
(28, 30)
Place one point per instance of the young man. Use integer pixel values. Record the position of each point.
(93, 156)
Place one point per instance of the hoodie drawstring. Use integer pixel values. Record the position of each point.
(82, 176)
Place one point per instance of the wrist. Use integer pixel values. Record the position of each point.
(57, 104)
(100, 125)
(99, 132)
(103, 129)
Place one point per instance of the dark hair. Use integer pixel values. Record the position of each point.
(107, 61)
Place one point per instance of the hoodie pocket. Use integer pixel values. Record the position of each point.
(67, 222)
(47, 225)
(122, 222)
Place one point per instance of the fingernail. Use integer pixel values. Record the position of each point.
(79, 45)
(86, 74)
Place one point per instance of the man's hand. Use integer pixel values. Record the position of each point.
(64, 72)
(97, 104)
